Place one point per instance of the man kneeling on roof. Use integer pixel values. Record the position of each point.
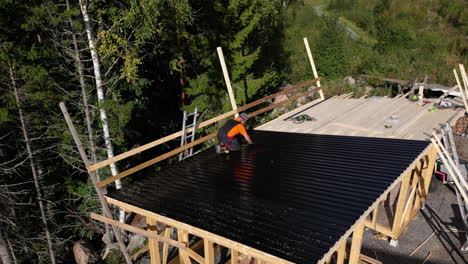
(228, 133)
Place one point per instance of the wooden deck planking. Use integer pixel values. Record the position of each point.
(367, 117)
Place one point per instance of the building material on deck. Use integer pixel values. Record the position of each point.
(227, 80)
(329, 184)
(312, 65)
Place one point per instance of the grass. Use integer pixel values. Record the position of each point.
(366, 37)
(363, 34)
(314, 3)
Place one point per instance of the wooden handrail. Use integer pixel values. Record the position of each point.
(137, 230)
(152, 144)
(153, 161)
(190, 145)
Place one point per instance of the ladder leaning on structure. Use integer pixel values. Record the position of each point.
(188, 135)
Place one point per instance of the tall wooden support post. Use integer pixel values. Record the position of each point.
(355, 252)
(227, 80)
(462, 90)
(92, 175)
(152, 243)
(312, 64)
(465, 80)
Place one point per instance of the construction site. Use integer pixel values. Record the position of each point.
(337, 180)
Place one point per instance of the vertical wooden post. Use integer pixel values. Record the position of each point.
(209, 251)
(183, 237)
(421, 94)
(464, 77)
(374, 216)
(401, 204)
(355, 252)
(153, 244)
(312, 64)
(341, 254)
(105, 206)
(234, 256)
(165, 251)
(426, 176)
(227, 80)
(462, 90)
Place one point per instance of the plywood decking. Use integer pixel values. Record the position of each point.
(368, 117)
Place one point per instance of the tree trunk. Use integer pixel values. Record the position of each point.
(100, 94)
(84, 95)
(33, 168)
(12, 252)
(4, 256)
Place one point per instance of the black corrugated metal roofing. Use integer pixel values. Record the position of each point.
(290, 195)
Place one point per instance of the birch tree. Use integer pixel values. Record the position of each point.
(4, 254)
(100, 95)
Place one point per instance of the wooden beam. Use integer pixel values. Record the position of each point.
(370, 260)
(455, 177)
(341, 253)
(153, 244)
(183, 238)
(312, 64)
(105, 206)
(374, 216)
(405, 216)
(227, 80)
(241, 248)
(379, 228)
(167, 234)
(465, 79)
(234, 256)
(462, 90)
(201, 125)
(451, 162)
(209, 251)
(155, 160)
(190, 145)
(401, 204)
(137, 230)
(195, 256)
(195, 247)
(356, 243)
(421, 93)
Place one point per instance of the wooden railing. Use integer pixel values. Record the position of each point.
(171, 153)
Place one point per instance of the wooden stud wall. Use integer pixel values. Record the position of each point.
(412, 196)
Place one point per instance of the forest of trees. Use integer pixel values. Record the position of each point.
(126, 70)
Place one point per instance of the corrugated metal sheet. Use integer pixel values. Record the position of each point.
(290, 195)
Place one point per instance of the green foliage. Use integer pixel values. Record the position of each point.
(410, 42)
(329, 50)
(114, 257)
(244, 33)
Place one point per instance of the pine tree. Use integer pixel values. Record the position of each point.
(244, 30)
